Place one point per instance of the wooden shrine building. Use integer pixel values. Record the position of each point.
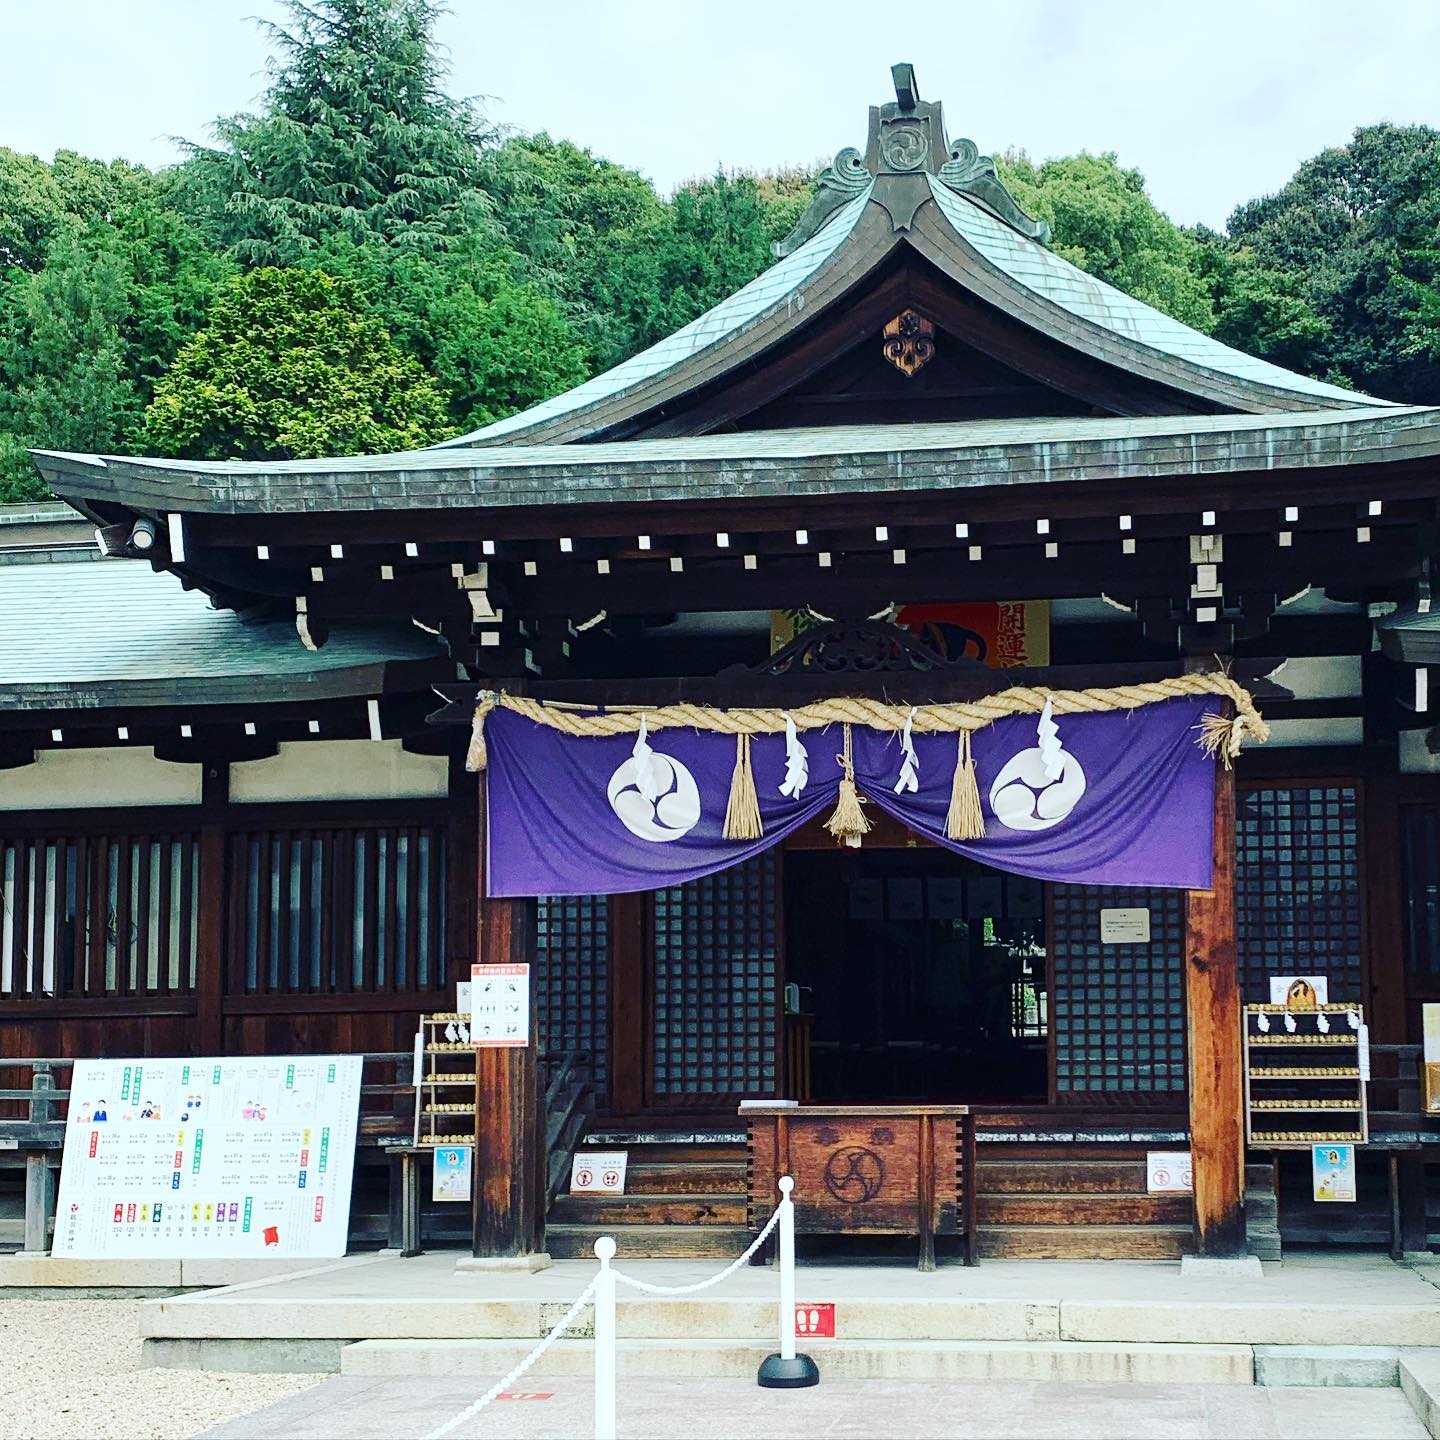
(922, 460)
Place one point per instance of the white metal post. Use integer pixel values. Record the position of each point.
(787, 1370)
(605, 1341)
(787, 1269)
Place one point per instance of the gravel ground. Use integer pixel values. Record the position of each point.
(70, 1370)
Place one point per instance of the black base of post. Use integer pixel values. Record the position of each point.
(777, 1373)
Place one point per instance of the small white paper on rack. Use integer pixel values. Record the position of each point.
(1363, 1045)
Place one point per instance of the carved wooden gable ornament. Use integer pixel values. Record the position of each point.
(909, 341)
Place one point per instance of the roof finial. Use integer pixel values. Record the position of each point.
(907, 90)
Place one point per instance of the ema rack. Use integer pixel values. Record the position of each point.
(447, 1091)
(1290, 1106)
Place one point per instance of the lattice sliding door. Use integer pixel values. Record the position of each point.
(572, 987)
(1117, 1011)
(715, 987)
(1298, 887)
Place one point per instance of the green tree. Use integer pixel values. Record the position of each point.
(84, 338)
(65, 382)
(1353, 236)
(1103, 220)
(494, 342)
(356, 136)
(289, 366)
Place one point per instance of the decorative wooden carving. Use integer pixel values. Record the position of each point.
(909, 341)
(840, 647)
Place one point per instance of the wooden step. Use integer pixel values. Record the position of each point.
(649, 1242)
(1090, 1177)
(1085, 1242)
(672, 1152)
(1083, 1209)
(649, 1210)
(677, 1177)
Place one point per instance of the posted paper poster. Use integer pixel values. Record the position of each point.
(500, 1006)
(1332, 1169)
(450, 1179)
(222, 1158)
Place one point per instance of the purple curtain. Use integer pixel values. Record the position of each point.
(1123, 797)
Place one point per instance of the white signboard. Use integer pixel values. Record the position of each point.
(1280, 987)
(222, 1158)
(1125, 926)
(499, 1006)
(598, 1172)
(1167, 1172)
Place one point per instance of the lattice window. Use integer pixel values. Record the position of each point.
(1298, 886)
(715, 985)
(338, 908)
(572, 989)
(98, 914)
(1118, 1011)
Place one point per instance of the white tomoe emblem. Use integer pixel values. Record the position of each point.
(1038, 788)
(654, 795)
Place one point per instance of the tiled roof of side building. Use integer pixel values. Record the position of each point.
(76, 623)
(1056, 279)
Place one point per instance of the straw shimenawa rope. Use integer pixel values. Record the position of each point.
(1222, 735)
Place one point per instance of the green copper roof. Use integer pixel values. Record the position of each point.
(103, 624)
(1084, 296)
(774, 287)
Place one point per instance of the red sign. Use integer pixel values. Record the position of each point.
(526, 1395)
(815, 1321)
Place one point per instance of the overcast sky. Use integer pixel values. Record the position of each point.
(1216, 102)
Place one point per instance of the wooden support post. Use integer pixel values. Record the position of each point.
(39, 1177)
(1212, 1001)
(509, 1190)
(629, 1007)
(212, 906)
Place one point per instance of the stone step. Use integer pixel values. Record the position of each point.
(1420, 1380)
(1064, 1361)
(568, 1241)
(1367, 1366)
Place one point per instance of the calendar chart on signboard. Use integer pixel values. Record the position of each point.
(214, 1158)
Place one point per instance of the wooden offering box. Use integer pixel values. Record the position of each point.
(868, 1170)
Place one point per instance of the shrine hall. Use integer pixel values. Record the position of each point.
(934, 725)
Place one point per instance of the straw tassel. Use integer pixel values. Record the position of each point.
(848, 823)
(477, 756)
(742, 814)
(1221, 736)
(964, 820)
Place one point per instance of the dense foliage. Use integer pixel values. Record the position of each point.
(364, 264)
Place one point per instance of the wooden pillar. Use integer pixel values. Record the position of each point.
(211, 908)
(1212, 1002)
(629, 1003)
(509, 1205)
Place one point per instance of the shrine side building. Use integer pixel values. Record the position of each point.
(922, 460)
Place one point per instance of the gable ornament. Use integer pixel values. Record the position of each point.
(909, 341)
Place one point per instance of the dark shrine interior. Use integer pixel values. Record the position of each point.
(924, 974)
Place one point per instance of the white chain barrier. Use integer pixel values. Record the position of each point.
(502, 1385)
(724, 1274)
(602, 1290)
